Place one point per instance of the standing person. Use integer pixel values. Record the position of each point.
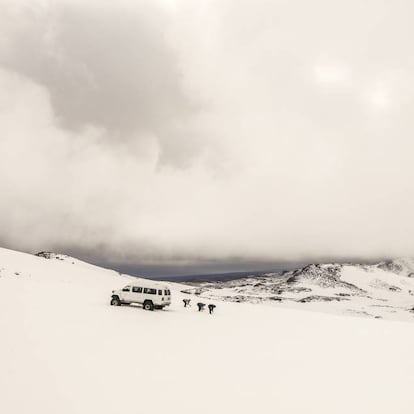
(211, 308)
(186, 302)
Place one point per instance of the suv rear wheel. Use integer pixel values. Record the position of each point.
(148, 305)
(115, 301)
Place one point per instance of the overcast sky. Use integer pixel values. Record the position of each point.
(180, 132)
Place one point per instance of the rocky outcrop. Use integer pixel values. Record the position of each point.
(322, 275)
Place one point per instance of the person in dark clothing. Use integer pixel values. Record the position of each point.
(211, 308)
(186, 302)
(200, 306)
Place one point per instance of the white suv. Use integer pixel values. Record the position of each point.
(150, 295)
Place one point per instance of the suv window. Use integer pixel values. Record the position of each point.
(167, 292)
(126, 289)
(137, 289)
(150, 291)
(160, 292)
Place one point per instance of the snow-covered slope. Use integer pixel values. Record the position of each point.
(64, 350)
(384, 290)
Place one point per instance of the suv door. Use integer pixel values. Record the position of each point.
(126, 294)
(136, 295)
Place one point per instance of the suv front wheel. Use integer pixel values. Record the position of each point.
(115, 301)
(148, 305)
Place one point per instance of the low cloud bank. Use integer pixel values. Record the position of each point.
(162, 132)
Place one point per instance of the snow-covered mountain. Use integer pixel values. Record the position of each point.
(64, 350)
(383, 290)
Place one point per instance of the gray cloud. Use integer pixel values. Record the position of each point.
(177, 132)
(105, 65)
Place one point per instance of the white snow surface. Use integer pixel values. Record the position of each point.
(63, 349)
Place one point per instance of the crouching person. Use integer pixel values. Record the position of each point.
(200, 306)
(211, 308)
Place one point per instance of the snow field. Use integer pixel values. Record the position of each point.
(63, 349)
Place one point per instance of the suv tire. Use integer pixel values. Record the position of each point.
(115, 301)
(148, 305)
